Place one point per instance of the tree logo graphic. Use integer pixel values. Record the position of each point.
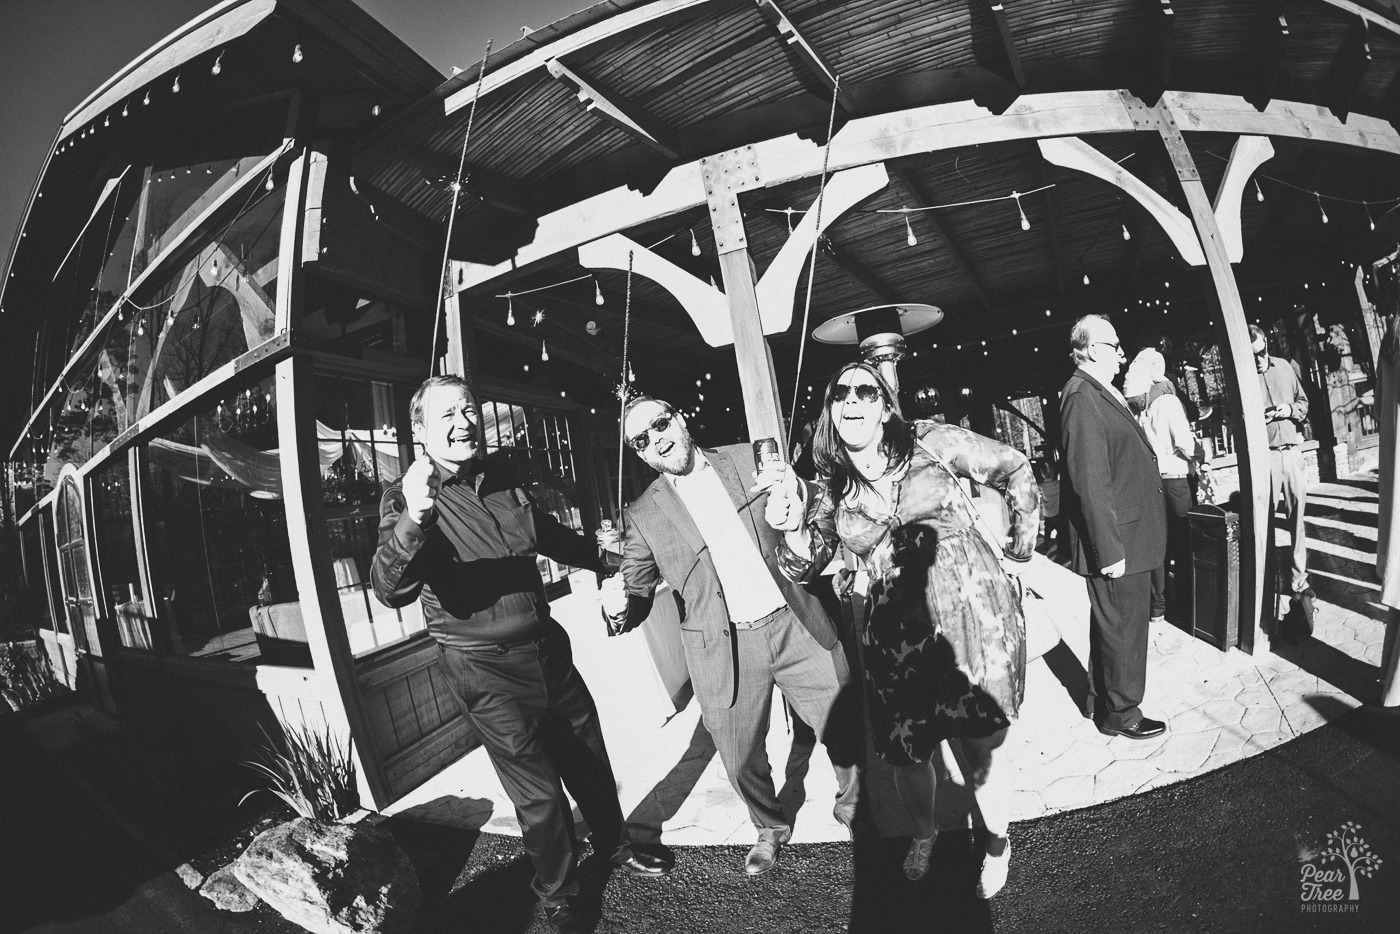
(1325, 882)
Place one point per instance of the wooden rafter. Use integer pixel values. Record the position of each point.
(1155, 65)
(626, 115)
(1268, 58)
(1052, 221)
(993, 44)
(793, 39)
(921, 198)
(1349, 69)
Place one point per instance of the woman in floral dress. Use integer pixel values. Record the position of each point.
(945, 641)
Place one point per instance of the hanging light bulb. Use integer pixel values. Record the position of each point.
(909, 230)
(1126, 235)
(126, 105)
(269, 186)
(195, 327)
(694, 245)
(631, 377)
(375, 111)
(544, 352)
(712, 281)
(296, 55)
(175, 88)
(597, 293)
(107, 120)
(510, 310)
(1086, 278)
(1369, 219)
(1025, 221)
(1258, 192)
(141, 326)
(218, 65)
(1320, 208)
(214, 267)
(145, 101)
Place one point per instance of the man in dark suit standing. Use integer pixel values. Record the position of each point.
(744, 626)
(1111, 493)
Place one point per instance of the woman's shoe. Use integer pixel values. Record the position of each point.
(916, 863)
(994, 870)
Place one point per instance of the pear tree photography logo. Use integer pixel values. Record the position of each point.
(1330, 879)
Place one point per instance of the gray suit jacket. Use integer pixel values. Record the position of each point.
(661, 541)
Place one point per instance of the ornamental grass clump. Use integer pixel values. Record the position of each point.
(25, 676)
(311, 770)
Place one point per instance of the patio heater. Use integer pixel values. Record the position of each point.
(880, 332)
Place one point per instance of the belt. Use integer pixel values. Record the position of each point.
(498, 648)
(760, 623)
(1284, 447)
(1174, 476)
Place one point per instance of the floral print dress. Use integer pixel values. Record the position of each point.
(945, 641)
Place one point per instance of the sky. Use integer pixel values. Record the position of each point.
(53, 53)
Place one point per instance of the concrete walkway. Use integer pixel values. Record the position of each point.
(1221, 707)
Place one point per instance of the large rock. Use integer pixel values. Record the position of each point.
(332, 878)
(226, 892)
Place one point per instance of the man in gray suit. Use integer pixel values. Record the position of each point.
(744, 626)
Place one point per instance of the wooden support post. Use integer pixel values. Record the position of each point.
(1246, 402)
(724, 176)
(336, 679)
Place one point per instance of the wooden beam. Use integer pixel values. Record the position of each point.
(1349, 70)
(803, 50)
(1155, 66)
(1271, 43)
(1073, 153)
(920, 197)
(932, 128)
(1248, 153)
(1245, 400)
(618, 110)
(1001, 56)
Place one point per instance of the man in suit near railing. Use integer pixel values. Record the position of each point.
(744, 626)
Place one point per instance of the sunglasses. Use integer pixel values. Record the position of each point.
(1261, 353)
(659, 424)
(865, 392)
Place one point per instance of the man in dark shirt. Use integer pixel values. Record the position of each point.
(457, 532)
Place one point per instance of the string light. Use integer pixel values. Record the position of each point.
(1086, 278)
(296, 55)
(1320, 208)
(146, 101)
(1258, 192)
(269, 186)
(1025, 221)
(538, 318)
(375, 111)
(597, 293)
(544, 352)
(909, 229)
(1126, 235)
(694, 245)
(126, 105)
(510, 310)
(218, 65)
(175, 88)
(1369, 219)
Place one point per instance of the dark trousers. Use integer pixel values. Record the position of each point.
(540, 727)
(1118, 647)
(1177, 491)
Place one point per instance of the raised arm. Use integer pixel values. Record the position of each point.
(998, 466)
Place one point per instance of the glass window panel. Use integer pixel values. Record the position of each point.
(177, 195)
(97, 270)
(46, 539)
(32, 552)
(213, 308)
(114, 549)
(217, 534)
(359, 457)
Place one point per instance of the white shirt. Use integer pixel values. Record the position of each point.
(749, 589)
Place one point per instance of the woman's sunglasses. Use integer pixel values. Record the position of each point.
(865, 392)
(659, 424)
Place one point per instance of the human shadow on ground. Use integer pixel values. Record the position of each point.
(1350, 675)
(883, 901)
(666, 796)
(1070, 672)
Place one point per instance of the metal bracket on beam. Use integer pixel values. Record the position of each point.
(725, 175)
(1155, 119)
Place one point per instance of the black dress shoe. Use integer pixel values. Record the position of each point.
(640, 864)
(1146, 728)
(564, 919)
